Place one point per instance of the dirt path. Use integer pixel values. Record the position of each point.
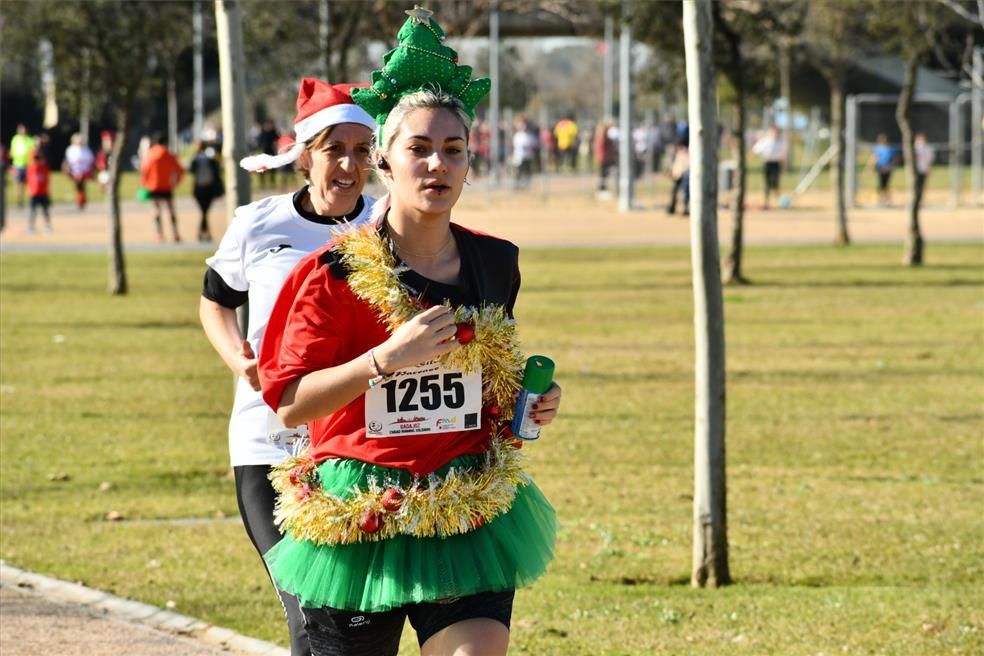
(554, 211)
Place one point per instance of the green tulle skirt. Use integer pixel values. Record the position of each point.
(508, 552)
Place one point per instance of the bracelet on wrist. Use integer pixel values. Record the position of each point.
(376, 375)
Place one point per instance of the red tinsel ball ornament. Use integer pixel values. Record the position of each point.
(371, 522)
(494, 411)
(392, 499)
(465, 332)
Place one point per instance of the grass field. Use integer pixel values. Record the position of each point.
(855, 457)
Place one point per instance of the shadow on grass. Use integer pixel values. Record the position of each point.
(641, 580)
(63, 286)
(631, 377)
(177, 324)
(614, 286)
(684, 581)
(845, 374)
(867, 284)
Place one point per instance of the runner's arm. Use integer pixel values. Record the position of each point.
(222, 330)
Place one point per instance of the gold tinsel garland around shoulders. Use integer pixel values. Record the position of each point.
(374, 277)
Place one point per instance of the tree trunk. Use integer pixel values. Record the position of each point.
(346, 44)
(626, 152)
(232, 71)
(914, 242)
(324, 41)
(734, 274)
(836, 82)
(785, 86)
(232, 80)
(172, 112)
(117, 265)
(85, 101)
(198, 122)
(710, 548)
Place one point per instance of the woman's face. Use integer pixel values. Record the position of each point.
(428, 161)
(339, 169)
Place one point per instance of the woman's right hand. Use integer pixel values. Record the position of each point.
(422, 338)
(246, 365)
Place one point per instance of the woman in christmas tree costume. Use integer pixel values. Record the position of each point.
(396, 345)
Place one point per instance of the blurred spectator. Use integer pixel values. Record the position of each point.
(523, 146)
(266, 143)
(21, 147)
(160, 173)
(142, 147)
(605, 154)
(503, 147)
(566, 132)
(642, 143)
(925, 154)
(585, 148)
(772, 149)
(42, 144)
(658, 146)
(38, 177)
(4, 165)
(548, 149)
(883, 159)
(680, 173)
(478, 141)
(103, 159)
(287, 170)
(78, 164)
(204, 168)
(545, 149)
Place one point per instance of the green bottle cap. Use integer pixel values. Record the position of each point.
(539, 374)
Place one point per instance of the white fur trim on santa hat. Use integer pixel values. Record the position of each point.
(323, 118)
(305, 130)
(256, 163)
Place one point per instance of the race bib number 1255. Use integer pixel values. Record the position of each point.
(424, 399)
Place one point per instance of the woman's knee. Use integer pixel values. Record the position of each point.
(474, 637)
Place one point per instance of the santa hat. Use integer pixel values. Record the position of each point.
(319, 105)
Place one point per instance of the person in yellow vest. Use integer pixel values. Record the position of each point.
(21, 147)
(566, 134)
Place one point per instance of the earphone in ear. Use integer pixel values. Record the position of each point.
(383, 164)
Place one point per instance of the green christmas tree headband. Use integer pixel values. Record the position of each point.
(419, 61)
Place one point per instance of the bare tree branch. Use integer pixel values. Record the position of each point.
(963, 13)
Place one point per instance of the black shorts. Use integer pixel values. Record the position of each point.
(20, 174)
(336, 632)
(772, 175)
(883, 176)
(40, 201)
(162, 195)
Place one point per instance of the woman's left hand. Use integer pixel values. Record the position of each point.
(546, 407)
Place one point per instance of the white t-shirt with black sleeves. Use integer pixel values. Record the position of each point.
(264, 242)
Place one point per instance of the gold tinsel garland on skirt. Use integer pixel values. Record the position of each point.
(430, 507)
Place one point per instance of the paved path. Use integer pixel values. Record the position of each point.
(41, 615)
(554, 211)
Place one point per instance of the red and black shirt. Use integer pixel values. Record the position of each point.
(318, 323)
